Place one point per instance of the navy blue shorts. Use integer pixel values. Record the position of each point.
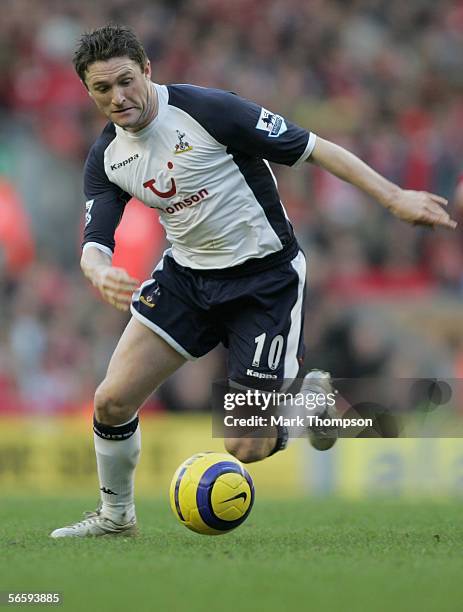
(259, 317)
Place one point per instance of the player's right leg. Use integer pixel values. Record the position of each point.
(265, 338)
(141, 362)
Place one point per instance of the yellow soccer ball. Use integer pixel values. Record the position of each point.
(211, 493)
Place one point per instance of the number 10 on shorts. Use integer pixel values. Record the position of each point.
(274, 352)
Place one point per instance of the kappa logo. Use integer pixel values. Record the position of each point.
(273, 124)
(182, 146)
(255, 374)
(126, 162)
(107, 491)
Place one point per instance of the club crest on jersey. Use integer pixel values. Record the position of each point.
(271, 123)
(182, 145)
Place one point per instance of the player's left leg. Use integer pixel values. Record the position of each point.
(142, 361)
(168, 327)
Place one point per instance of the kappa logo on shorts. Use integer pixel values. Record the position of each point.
(271, 123)
(255, 374)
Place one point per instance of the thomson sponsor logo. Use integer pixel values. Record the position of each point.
(126, 162)
(259, 374)
(186, 203)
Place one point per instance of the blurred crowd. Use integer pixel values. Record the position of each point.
(383, 78)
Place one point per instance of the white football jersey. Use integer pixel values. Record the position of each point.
(202, 165)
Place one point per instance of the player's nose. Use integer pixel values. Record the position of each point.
(118, 97)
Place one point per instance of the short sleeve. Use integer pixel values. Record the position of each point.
(244, 125)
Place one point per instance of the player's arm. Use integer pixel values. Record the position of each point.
(416, 207)
(104, 209)
(254, 130)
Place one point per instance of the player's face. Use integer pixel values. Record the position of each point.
(122, 91)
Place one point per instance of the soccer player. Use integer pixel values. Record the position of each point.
(234, 274)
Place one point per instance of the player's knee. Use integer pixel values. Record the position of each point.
(246, 450)
(109, 409)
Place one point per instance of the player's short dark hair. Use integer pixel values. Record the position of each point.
(105, 43)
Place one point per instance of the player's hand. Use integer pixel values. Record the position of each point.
(115, 285)
(421, 208)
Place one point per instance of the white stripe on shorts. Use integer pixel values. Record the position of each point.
(291, 365)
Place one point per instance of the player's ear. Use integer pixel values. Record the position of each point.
(147, 69)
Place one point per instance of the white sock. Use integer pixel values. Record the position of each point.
(117, 452)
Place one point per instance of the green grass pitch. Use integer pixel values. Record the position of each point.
(326, 555)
